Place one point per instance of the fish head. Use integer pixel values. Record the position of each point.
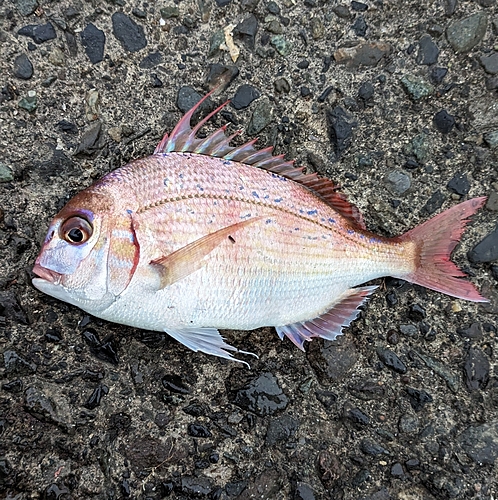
(75, 261)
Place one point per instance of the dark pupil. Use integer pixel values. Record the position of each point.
(75, 235)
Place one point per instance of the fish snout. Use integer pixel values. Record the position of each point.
(46, 274)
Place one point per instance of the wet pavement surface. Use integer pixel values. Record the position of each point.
(395, 101)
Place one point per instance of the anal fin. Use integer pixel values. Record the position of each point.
(207, 340)
(329, 325)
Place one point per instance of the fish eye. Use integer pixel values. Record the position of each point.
(76, 230)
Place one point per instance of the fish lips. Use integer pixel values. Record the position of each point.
(46, 275)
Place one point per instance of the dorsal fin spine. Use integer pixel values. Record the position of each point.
(183, 139)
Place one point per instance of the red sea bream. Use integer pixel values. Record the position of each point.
(203, 236)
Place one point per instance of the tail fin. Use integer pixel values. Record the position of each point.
(435, 240)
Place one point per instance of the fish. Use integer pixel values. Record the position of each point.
(203, 236)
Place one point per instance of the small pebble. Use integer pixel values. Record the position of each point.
(463, 35)
(459, 184)
(128, 32)
(444, 122)
(29, 103)
(486, 250)
(23, 68)
(5, 173)
(417, 87)
(244, 96)
(93, 40)
(39, 33)
(428, 52)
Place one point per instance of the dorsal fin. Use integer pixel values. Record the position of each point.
(183, 139)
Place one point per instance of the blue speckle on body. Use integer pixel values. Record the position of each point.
(256, 195)
(277, 200)
(268, 221)
(312, 212)
(373, 239)
(332, 221)
(350, 231)
(227, 162)
(128, 211)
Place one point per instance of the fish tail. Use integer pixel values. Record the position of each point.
(434, 241)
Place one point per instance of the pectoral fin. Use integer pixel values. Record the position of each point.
(206, 340)
(183, 262)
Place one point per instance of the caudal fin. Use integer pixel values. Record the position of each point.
(435, 240)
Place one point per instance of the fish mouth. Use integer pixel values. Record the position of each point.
(47, 274)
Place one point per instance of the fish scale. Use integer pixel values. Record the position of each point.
(203, 236)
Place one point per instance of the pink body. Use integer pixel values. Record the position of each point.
(188, 243)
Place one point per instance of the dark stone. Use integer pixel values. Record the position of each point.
(391, 360)
(174, 383)
(144, 451)
(261, 117)
(476, 369)
(416, 312)
(481, 442)
(10, 307)
(418, 398)
(161, 420)
(16, 365)
(222, 3)
(119, 423)
(196, 409)
(412, 464)
(372, 448)
(408, 330)
(303, 64)
(23, 68)
(340, 125)
(437, 74)
(428, 51)
(433, 203)
(486, 250)
(244, 95)
(459, 184)
(341, 11)
(267, 485)
(490, 63)
(246, 30)
(364, 54)
(333, 360)
(39, 33)
(128, 32)
(474, 331)
(366, 91)
(93, 41)
(67, 127)
(262, 396)
(281, 86)
(367, 390)
(327, 398)
(106, 351)
(305, 92)
(408, 424)
(360, 26)
(15, 386)
(96, 397)
(281, 429)
(303, 491)
(273, 8)
(450, 7)
(90, 141)
(444, 122)
(187, 98)
(39, 405)
(359, 6)
(357, 416)
(195, 487)
(198, 431)
(235, 489)
(156, 81)
(397, 470)
(220, 75)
